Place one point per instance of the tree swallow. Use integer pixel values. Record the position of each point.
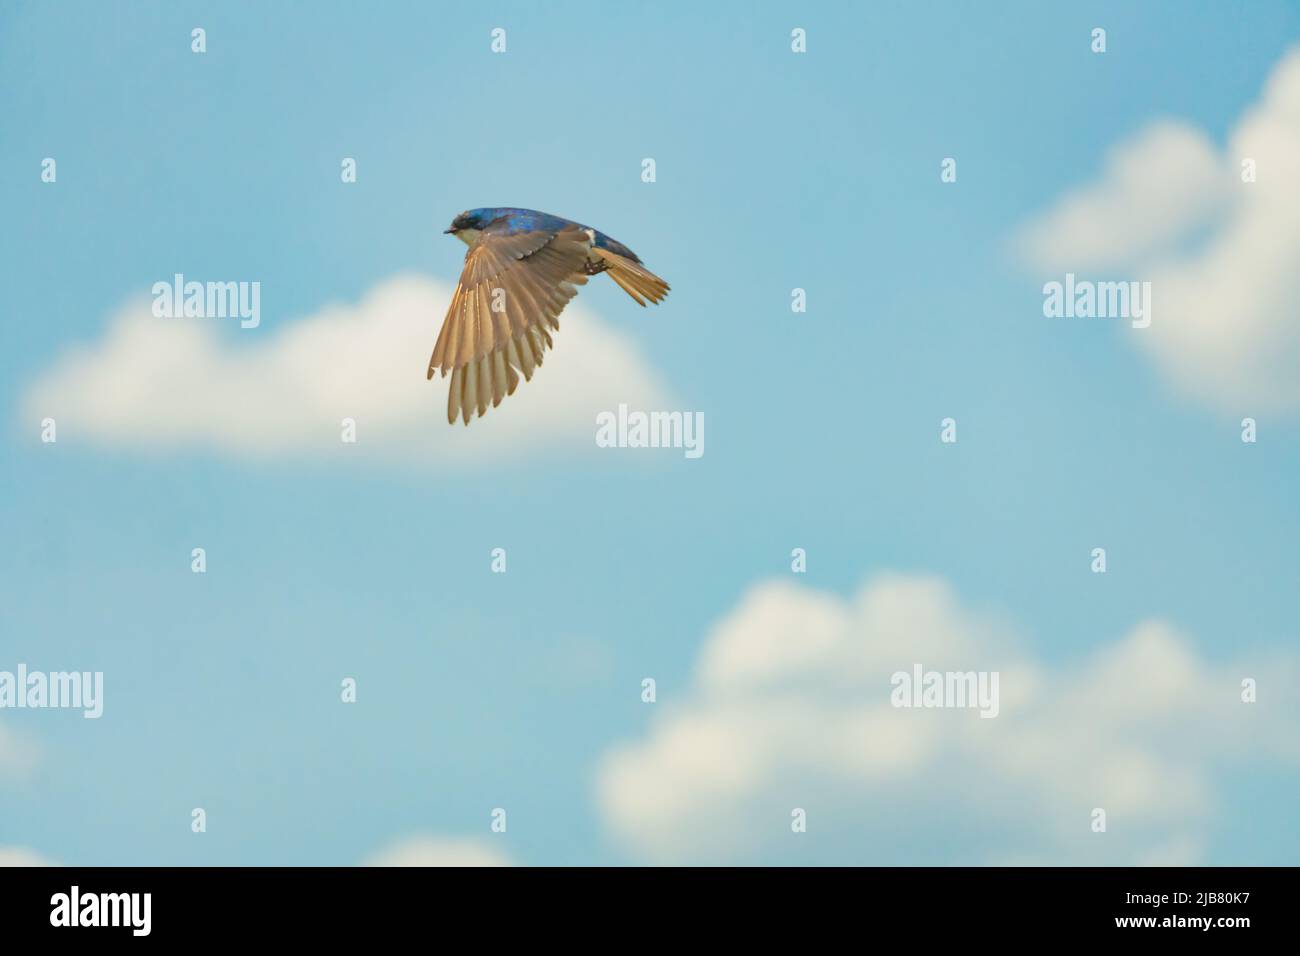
(521, 270)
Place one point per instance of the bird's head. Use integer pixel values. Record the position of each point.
(467, 226)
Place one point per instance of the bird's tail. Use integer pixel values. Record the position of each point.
(635, 279)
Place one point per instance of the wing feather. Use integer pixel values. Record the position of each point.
(532, 275)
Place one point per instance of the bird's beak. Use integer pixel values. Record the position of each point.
(447, 232)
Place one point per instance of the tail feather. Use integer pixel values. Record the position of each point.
(634, 279)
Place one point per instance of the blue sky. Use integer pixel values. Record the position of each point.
(775, 170)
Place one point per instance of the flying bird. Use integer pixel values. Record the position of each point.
(521, 270)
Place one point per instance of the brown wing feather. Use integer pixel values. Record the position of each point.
(489, 335)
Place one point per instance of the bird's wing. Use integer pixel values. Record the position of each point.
(510, 294)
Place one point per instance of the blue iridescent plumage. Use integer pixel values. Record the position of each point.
(527, 220)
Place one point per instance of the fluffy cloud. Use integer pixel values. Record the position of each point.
(790, 707)
(433, 851)
(1220, 253)
(1153, 190)
(156, 383)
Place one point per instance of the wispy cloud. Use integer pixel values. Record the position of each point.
(183, 383)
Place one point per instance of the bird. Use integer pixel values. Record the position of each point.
(521, 269)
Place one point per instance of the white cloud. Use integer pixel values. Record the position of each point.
(790, 707)
(1225, 327)
(19, 856)
(1167, 180)
(154, 383)
(425, 850)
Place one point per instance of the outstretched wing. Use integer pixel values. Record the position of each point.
(511, 292)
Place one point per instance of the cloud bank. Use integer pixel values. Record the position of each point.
(789, 707)
(186, 383)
